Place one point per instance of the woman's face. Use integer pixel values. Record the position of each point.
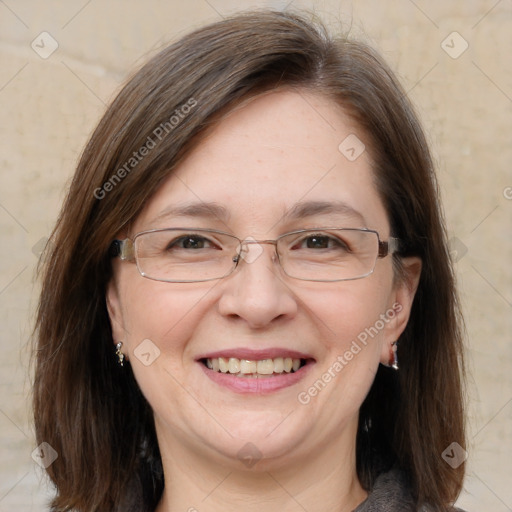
(277, 164)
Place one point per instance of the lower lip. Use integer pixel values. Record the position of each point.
(261, 385)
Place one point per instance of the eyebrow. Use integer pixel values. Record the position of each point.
(199, 209)
(298, 211)
(311, 208)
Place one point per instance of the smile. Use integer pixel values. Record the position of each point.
(257, 372)
(252, 368)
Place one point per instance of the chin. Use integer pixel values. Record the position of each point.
(259, 444)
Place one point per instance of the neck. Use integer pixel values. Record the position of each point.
(325, 481)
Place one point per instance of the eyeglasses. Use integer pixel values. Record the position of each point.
(184, 255)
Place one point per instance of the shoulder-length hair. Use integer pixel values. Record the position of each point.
(89, 409)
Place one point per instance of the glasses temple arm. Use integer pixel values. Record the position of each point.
(122, 249)
(390, 247)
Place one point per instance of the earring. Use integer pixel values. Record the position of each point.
(393, 357)
(119, 354)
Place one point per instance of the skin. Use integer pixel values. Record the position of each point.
(268, 154)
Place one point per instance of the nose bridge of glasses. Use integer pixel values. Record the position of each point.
(251, 249)
(253, 241)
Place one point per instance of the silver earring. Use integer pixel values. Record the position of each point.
(119, 354)
(393, 357)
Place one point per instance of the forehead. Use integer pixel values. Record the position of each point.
(267, 156)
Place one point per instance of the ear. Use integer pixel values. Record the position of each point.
(115, 312)
(400, 304)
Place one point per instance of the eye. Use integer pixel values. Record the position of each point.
(321, 241)
(190, 242)
(318, 242)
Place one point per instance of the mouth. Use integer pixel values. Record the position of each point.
(256, 371)
(254, 368)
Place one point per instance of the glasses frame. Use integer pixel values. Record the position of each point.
(125, 250)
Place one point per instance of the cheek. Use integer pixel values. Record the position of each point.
(345, 311)
(160, 320)
(350, 326)
(163, 312)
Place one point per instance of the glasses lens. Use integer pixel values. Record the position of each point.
(178, 255)
(329, 255)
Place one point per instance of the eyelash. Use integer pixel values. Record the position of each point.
(187, 237)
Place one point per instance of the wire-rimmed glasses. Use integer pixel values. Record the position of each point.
(185, 255)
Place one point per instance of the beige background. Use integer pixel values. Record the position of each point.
(50, 105)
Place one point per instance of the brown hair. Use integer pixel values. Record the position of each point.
(89, 409)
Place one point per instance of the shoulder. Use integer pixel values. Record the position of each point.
(391, 493)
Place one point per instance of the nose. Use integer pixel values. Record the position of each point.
(256, 292)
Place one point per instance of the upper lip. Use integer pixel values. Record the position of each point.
(255, 355)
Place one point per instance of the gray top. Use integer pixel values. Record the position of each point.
(392, 494)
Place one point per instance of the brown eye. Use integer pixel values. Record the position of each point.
(321, 241)
(193, 243)
(317, 242)
(189, 242)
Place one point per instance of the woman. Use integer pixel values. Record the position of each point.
(248, 300)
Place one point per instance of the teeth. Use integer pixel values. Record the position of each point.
(265, 367)
(252, 368)
(234, 365)
(247, 366)
(223, 365)
(279, 364)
